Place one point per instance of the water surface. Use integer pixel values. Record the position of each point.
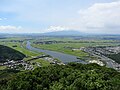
(65, 58)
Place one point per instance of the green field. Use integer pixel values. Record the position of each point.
(2, 67)
(67, 47)
(21, 47)
(64, 48)
(42, 62)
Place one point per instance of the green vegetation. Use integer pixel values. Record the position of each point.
(10, 54)
(42, 62)
(67, 45)
(2, 67)
(72, 76)
(21, 48)
(65, 77)
(115, 57)
(6, 74)
(19, 44)
(64, 48)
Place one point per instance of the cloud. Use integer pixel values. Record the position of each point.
(2, 19)
(10, 28)
(100, 16)
(56, 28)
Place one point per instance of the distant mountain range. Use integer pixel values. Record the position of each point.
(64, 33)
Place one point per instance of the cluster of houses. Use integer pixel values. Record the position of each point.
(17, 65)
(47, 58)
(26, 65)
(54, 42)
(104, 50)
(20, 41)
(99, 62)
(46, 42)
(114, 50)
(101, 52)
(53, 61)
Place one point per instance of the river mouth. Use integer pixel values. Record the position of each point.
(65, 58)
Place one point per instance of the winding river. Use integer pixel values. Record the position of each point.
(65, 58)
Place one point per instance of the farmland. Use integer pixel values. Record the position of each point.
(70, 45)
(19, 44)
(67, 45)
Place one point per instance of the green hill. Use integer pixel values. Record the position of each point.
(65, 77)
(9, 53)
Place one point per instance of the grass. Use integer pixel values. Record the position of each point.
(67, 47)
(60, 47)
(42, 62)
(20, 48)
(2, 67)
(64, 48)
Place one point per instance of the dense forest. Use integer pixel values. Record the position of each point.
(10, 54)
(115, 57)
(73, 76)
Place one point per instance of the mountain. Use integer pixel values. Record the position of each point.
(64, 33)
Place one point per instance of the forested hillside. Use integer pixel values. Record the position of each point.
(10, 54)
(73, 76)
(115, 57)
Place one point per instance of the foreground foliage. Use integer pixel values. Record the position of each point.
(73, 76)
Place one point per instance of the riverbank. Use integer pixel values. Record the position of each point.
(65, 58)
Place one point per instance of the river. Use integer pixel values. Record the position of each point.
(65, 58)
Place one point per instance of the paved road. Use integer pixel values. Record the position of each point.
(109, 62)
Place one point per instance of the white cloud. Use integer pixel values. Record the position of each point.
(56, 28)
(10, 28)
(2, 19)
(100, 17)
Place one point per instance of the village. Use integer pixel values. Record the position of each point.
(27, 65)
(101, 53)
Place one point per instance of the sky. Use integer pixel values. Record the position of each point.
(39, 16)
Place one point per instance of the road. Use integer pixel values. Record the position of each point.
(109, 62)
